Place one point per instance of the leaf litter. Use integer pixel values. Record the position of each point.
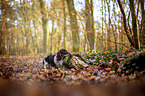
(104, 73)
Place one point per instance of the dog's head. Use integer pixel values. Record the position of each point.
(62, 54)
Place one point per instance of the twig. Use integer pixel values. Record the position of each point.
(114, 42)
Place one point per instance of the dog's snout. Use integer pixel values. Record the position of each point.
(66, 52)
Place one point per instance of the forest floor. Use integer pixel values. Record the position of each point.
(25, 76)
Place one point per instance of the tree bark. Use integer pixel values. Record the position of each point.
(59, 36)
(134, 24)
(115, 29)
(143, 25)
(108, 29)
(2, 28)
(64, 23)
(44, 23)
(90, 23)
(26, 20)
(102, 26)
(51, 34)
(74, 25)
(124, 22)
(105, 26)
(35, 30)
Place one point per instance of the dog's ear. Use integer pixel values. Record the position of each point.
(47, 59)
(58, 57)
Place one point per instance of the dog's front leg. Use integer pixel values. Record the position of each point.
(45, 64)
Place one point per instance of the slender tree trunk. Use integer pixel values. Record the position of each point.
(124, 23)
(134, 24)
(53, 31)
(105, 25)
(26, 35)
(115, 29)
(2, 28)
(108, 29)
(26, 27)
(35, 30)
(115, 39)
(74, 25)
(44, 23)
(90, 23)
(36, 35)
(18, 42)
(134, 41)
(12, 43)
(143, 25)
(85, 42)
(51, 34)
(64, 24)
(122, 38)
(58, 29)
(102, 37)
(30, 38)
(22, 50)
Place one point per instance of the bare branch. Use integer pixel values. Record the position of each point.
(124, 21)
(114, 42)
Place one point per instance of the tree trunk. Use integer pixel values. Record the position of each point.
(124, 22)
(25, 20)
(90, 23)
(102, 37)
(2, 28)
(105, 26)
(59, 31)
(134, 24)
(51, 34)
(35, 30)
(26, 35)
(115, 29)
(115, 39)
(143, 25)
(108, 29)
(134, 41)
(64, 24)
(74, 25)
(36, 35)
(44, 23)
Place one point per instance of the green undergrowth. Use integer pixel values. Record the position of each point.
(99, 67)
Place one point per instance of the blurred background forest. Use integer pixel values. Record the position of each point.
(42, 26)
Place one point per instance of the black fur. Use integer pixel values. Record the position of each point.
(50, 60)
(58, 57)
